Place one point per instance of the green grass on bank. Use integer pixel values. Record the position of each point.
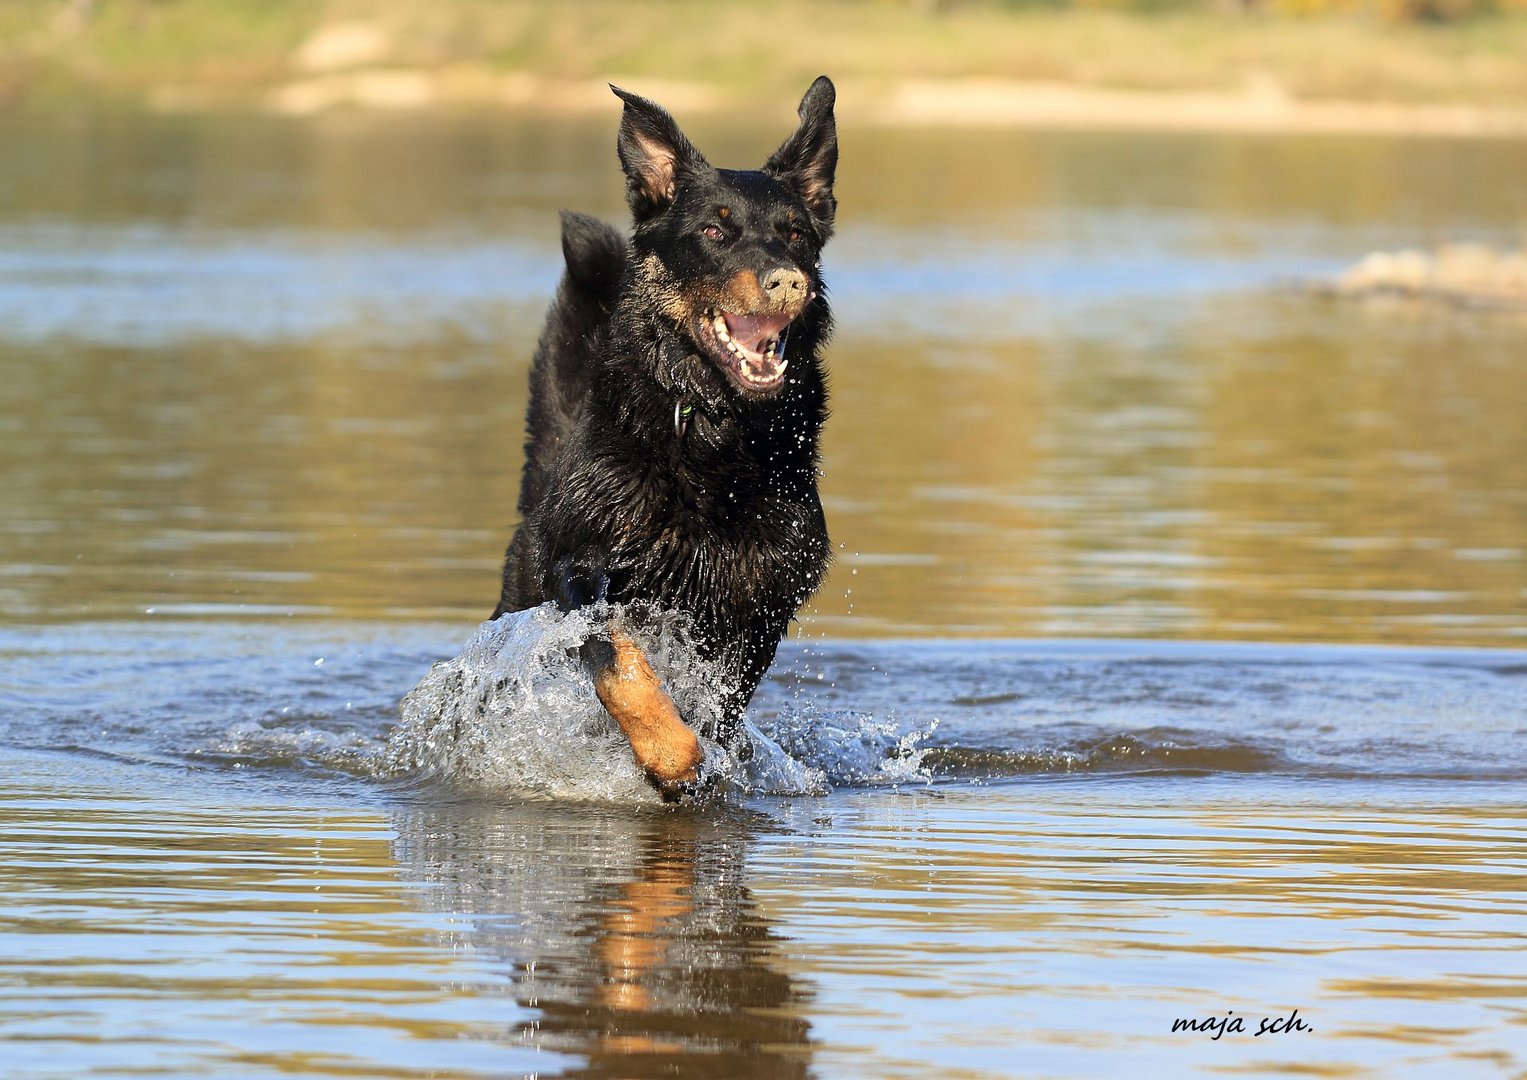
(235, 52)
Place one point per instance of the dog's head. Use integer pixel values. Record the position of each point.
(731, 257)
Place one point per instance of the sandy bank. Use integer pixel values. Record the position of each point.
(1467, 275)
(1260, 106)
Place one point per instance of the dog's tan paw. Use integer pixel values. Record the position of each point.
(664, 746)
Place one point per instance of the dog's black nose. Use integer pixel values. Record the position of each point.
(784, 283)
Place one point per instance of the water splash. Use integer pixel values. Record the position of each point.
(515, 714)
(851, 748)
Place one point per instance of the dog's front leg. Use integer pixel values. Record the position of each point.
(664, 746)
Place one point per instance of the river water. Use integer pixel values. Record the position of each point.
(1172, 668)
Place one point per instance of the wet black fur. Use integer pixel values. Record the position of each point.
(715, 513)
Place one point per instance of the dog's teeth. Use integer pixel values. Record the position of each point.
(720, 325)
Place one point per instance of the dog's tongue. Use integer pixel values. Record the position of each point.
(752, 332)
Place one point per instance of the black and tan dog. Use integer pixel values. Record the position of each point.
(675, 404)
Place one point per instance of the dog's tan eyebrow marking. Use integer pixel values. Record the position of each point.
(724, 212)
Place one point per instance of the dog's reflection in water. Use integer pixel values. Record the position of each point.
(630, 934)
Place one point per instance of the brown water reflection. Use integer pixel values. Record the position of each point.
(1072, 928)
(634, 937)
(1316, 487)
(190, 894)
(155, 935)
(256, 367)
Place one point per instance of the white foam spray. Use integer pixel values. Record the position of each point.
(515, 714)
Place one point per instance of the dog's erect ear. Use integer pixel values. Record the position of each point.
(809, 158)
(654, 154)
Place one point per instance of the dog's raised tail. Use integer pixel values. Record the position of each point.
(595, 254)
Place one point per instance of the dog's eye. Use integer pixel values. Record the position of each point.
(796, 236)
(713, 232)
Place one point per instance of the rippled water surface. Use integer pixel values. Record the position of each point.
(1171, 669)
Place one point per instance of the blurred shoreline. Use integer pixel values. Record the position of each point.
(930, 65)
(963, 103)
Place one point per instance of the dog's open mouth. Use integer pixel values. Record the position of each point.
(750, 348)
